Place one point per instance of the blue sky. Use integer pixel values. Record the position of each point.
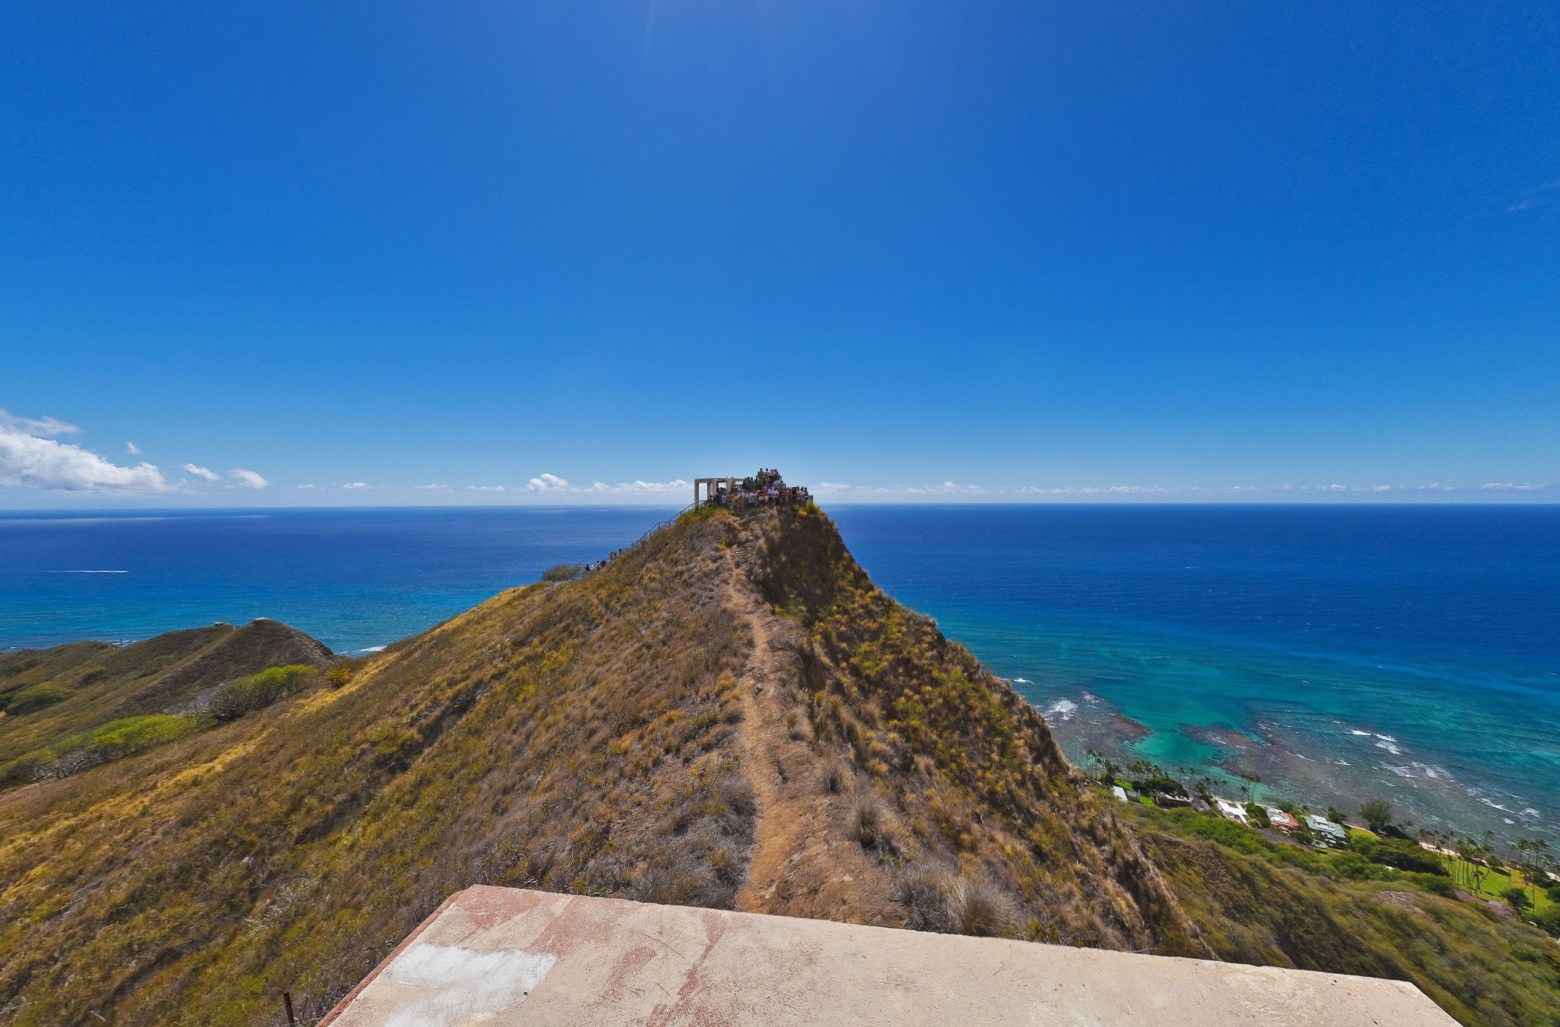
(925, 250)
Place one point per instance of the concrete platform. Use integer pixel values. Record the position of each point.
(500, 957)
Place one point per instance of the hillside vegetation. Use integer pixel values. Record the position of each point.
(46, 695)
(1283, 905)
(729, 714)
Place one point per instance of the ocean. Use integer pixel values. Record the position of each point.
(1320, 654)
(1337, 653)
(354, 579)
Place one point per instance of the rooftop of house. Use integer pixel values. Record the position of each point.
(1322, 824)
(505, 957)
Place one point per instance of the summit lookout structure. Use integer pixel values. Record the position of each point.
(766, 488)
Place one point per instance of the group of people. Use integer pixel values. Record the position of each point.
(602, 562)
(764, 487)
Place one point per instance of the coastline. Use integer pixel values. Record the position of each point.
(1299, 756)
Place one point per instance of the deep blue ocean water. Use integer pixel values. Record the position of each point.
(1334, 652)
(354, 579)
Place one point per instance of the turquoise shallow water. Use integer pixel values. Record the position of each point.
(1337, 653)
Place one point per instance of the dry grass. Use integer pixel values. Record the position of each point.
(868, 820)
(730, 709)
(977, 907)
(1259, 903)
(97, 682)
(574, 736)
(952, 904)
(953, 776)
(993, 833)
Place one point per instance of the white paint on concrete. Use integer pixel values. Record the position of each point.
(451, 986)
(479, 960)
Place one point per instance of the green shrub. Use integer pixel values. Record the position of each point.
(1377, 814)
(114, 740)
(563, 572)
(1225, 832)
(1439, 884)
(133, 734)
(1351, 866)
(29, 700)
(1161, 785)
(1547, 920)
(1395, 852)
(258, 691)
(23, 769)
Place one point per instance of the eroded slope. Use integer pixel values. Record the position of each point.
(730, 715)
(572, 736)
(910, 786)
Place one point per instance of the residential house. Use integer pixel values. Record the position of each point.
(1281, 820)
(1329, 832)
(1230, 810)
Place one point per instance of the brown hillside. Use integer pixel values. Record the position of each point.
(946, 805)
(646, 732)
(730, 714)
(91, 683)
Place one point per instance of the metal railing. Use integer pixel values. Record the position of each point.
(658, 525)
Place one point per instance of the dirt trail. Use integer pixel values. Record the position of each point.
(804, 860)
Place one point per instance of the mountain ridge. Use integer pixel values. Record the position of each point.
(94, 683)
(728, 714)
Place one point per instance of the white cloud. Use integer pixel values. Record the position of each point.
(441, 488)
(46, 427)
(132, 449)
(830, 486)
(548, 483)
(653, 486)
(552, 483)
(203, 473)
(1285, 489)
(306, 486)
(484, 488)
(248, 479)
(947, 488)
(28, 457)
(356, 485)
(1097, 490)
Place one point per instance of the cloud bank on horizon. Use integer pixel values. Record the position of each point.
(32, 458)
